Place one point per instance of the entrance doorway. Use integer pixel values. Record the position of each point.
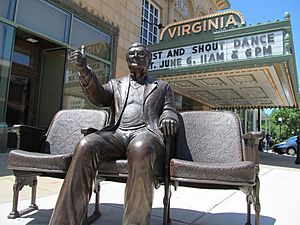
(23, 84)
(28, 75)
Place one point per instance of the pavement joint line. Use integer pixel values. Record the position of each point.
(198, 218)
(214, 206)
(179, 221)
(266, 172)
(225, 199)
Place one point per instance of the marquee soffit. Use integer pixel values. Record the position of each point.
(254, 87)
(266, 81)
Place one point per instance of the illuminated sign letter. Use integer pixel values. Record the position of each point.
(186, 28)
(231, 20)
(215, 24)
(172, 32)
(196, 28)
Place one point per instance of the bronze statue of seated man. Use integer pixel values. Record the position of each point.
(143, 112)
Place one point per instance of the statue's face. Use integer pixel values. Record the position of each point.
(138, 58)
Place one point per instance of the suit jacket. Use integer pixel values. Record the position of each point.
(158, 100)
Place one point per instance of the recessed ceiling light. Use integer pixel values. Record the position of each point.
(32, 40)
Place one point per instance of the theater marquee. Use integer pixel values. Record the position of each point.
(221, 63)
(239, 48)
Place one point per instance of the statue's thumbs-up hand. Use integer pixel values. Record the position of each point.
(78, 59)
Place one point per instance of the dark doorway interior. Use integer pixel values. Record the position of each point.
(25, 78)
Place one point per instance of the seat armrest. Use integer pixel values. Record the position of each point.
(26, 128)
(86, 131)
(29, 138)
(252, 135)
(251, 151)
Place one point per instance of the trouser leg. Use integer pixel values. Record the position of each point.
(143, 158)
(75, 193)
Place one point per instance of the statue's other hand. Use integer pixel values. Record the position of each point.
(78, 59)
(168, 126)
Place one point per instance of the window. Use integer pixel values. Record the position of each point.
(22, 58)
(6, 43)
(45, 18)
(74, 97)
(96, 42)
(7, 9)
(149, 23)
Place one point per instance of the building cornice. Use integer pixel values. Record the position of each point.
(89, 15)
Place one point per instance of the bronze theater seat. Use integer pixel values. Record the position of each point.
(55, 154)
(210, 152)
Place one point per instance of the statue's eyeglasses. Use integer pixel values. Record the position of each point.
(139, 53)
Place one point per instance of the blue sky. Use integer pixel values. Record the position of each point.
(261, 11)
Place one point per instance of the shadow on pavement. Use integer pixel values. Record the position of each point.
(228, 218)
(273, 159)
(42, 216)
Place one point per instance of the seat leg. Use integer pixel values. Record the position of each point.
(20, 182)
(97, 199)
(96, 214)
(15, 213)
(33, 186)
(256, 201)
(249, 202)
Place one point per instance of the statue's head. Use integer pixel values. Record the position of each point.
(138, 58)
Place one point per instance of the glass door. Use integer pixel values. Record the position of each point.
(18, 100)
(51, 85)
(23, 85)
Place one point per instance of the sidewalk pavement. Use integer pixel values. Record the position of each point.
(279, 196)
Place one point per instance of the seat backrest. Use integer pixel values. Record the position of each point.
(209, 137)
(64, 132)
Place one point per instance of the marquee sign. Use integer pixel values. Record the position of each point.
(205, 24)
(232, 49)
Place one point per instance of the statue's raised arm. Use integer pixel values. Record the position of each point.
(97, 94)
(78, 59)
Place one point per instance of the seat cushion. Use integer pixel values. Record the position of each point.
(119, 168)
(38, 162)
(113, 167)
(218, 173)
